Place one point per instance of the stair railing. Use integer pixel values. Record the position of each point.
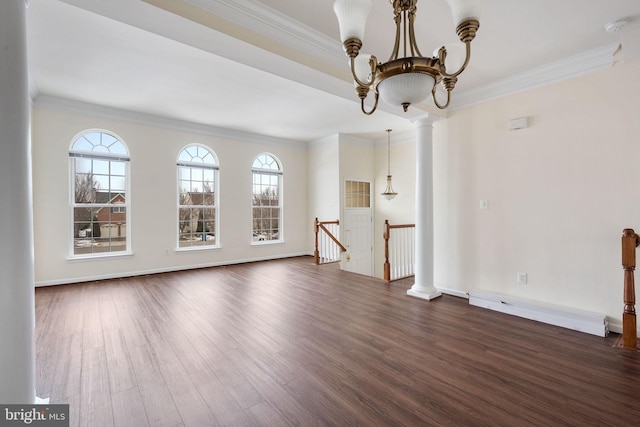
(399, 251)
(630, 241)
(327, 246)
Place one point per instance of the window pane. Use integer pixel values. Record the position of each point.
(208, 199)
(83, 165)
(101, 149)
(184, 173)
(82, 145)
(84, 188)
(117, 183)
(184, 156)
(193, 151)
(184, 186)
(101, 182)
(101, 167)
(196, 174)
(93, 138)
(118, 168)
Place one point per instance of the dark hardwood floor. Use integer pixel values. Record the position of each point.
(289, 343)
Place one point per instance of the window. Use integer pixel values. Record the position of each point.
(267, 199)
(99, 167)
(197, 198)
(357, 194)
(118, 209)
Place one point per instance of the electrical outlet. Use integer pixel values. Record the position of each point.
(522, 278)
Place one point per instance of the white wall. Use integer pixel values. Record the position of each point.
(560, 192)
(153, 151)
(356, 161)
(324, 180)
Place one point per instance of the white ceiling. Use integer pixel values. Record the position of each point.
(276, 67)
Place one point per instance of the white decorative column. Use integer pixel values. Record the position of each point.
(17, 310)
(423, 286)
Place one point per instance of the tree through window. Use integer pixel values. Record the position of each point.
(99, 165)
(197, 197)
(267, 199)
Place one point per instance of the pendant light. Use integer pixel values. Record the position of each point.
(388, 192)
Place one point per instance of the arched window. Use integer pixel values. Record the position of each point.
(267, 199)
(197, 197)
(99, 167)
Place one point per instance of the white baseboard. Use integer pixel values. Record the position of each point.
(579, 320)
(616, 326)
(161, 270)
(453, 292)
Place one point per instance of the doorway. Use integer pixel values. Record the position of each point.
(358, 228)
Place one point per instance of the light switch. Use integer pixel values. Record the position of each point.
(484, 204)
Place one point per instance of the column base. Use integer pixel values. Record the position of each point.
(427, 294)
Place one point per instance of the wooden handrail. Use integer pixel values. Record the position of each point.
(630, 241)
(332, 237)
(320, 225)
(386, 234)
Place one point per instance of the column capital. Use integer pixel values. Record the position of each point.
(425, 120)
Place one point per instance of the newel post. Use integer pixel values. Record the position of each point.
(316, 253)
(387, 266)
(630, 240)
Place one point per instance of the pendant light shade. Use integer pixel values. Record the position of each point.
(406, 89)
(464, 10)
(352, 17)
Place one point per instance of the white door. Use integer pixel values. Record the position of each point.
(358, 228)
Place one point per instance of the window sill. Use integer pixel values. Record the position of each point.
(266, 242)
(98, 257)
(196, 249)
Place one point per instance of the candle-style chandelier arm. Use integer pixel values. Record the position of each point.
(373, 62)
(435, 100)
(375, 105)
(442, 54)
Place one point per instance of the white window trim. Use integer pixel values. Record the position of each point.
(127, 205)
(216, 204)
(280, 173)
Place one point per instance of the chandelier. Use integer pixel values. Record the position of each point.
(389, 193)
(407, 79)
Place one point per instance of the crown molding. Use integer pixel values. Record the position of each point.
(270, 23)
(573, 66)
(333, 139)
(350, 139)
(110, 113)
(397, 137)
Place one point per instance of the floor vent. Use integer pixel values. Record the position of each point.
(579, 320)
